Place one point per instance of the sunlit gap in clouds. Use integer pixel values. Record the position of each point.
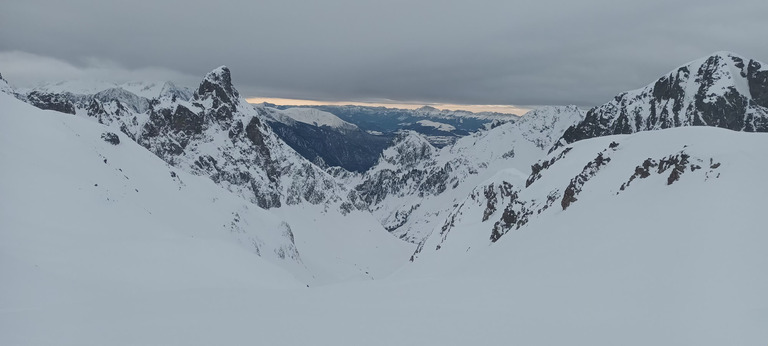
(509, 109)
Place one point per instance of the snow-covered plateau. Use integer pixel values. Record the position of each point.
(149, 214)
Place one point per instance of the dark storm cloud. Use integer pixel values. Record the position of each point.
(476, 52)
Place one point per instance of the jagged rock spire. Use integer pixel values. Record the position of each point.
(217, 84)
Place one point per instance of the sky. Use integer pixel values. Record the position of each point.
(497, 53)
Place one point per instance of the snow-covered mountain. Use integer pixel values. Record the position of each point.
(148, 90)
(432, 112)
(101, 193)
(218, 134)
(415, 185)
(91, 97)
(722, 90)
(214, 133)
(344, 248)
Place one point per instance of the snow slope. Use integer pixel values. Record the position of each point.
(637, 261)
(631, 173)
(85, 224)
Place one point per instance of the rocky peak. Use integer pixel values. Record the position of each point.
(217, 85)
(544, 125)
(137, 104)
(408, 149)
(217, 95)
(171, 91)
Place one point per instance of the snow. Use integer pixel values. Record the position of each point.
(600, 273)
(440, 126)
(314, 117)
(107, 244)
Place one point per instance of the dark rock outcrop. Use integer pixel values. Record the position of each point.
(51, 101)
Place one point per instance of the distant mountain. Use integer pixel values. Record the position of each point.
(314, 117)
(722, 90)
(326, 140)
(148, 90)
(356, 141)
(441, 127)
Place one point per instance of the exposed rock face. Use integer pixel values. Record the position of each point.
(405, 168)
(110, 138)
(4, 87)
(678, 164)
(723, 90)
(50, 101)
(221, 136)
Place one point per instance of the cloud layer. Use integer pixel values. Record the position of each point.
(479, 52)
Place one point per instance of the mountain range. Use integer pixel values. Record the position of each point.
(144, 210)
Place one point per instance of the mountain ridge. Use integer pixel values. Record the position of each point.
(722, 90)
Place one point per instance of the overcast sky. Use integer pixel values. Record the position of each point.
(462, 52)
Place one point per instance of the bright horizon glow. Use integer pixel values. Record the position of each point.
(508, 109)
